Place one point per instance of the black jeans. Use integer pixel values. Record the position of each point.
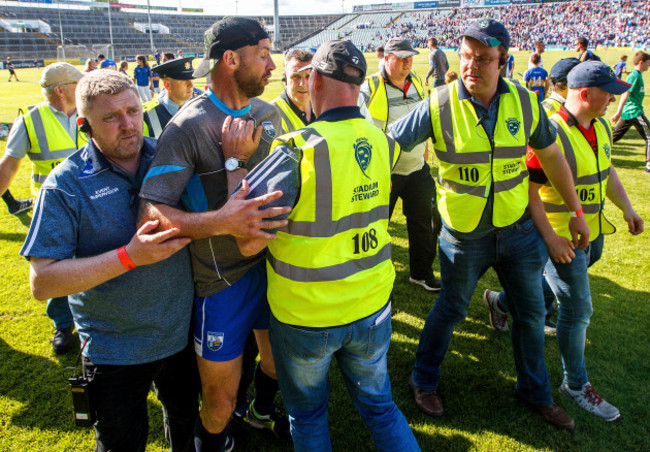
(118, 396)
(418, 193)
(642, 126)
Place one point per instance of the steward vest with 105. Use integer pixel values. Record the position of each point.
(50, 143)
(378, 102)
(472, 165)
(331, 265)
(590, 173)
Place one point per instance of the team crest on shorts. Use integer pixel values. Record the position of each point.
(268, 128)
(513, 126)
(607, 150)
(363, 154)
(215, 340)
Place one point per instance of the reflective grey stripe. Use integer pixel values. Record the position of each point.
(391, 152)
(39, 178)
(509, 184)
(41, 137)
(568, 149)
(373, 92)
(462, 189)
(586, 208)
(155, 122)
(331, 273)
(609, 132)
(323, 225)
(526, 108)
(592, 178)
(285, 118)
(509, 152)
(463, 157)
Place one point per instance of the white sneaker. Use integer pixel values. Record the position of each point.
(591, 401)
(498, 318)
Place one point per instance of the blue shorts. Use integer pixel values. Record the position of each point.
(222, 321)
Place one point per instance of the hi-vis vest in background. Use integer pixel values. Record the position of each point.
(471, 165)
(332, 264)
(378, 102)
(290, 121)
(158, 117)
(590, 173)
(50, 142)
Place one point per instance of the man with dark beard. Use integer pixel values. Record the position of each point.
(203, 153)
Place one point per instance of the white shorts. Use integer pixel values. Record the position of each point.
(145, 93)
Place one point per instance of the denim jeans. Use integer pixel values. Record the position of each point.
(302, 360)
(518, 255)
(549, 300)
(59, 311)
(570, 283)
(418, 193)
(118, 396)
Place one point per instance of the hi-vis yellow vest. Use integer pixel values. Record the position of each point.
(150, 108)
(332, 264)
(471, 166)
(50, 142)
(378, 102)
(551, 106)
(290, 121)
(590, 173)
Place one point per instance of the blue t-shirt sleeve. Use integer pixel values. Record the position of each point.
(54, 229)
(280, 171)
(545, 133)
(413, 128)
(527, 76)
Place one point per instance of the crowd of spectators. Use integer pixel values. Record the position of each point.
(623, 23)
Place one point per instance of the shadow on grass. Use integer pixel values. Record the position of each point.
(478, 375)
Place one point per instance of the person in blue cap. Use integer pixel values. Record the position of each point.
(586, 140)
(559, 89)
(176, 76)
(481, 126)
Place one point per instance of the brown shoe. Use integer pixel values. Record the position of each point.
(427, 401)
(557, 417)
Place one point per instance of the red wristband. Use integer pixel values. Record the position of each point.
(577, 213)
(125, 260)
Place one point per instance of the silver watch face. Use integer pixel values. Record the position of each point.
(232, 164)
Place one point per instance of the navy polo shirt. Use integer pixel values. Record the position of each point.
(87, 207)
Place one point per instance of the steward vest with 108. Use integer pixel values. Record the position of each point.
(332, 264)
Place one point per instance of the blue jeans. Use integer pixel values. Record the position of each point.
(549, 300)
(518, 255)
(302, 360)
(59, 311)
(570, 283)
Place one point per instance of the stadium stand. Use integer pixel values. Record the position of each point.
(623, 23)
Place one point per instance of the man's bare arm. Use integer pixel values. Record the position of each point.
(8, 169)
(558, 172)
(50, 278)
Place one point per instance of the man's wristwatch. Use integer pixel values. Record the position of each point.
(233, 164)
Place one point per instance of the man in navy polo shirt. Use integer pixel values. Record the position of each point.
(130, 291)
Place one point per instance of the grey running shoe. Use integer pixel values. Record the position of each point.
(591, 401)
(498, 318)
(430, 284)
(21, 206)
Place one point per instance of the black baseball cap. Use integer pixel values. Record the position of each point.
(561, 69)
(332, 57)
(400, 47)
(488, 31)
(179, 69)
(598, 74)
(230, 33)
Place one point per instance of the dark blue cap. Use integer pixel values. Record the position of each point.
(178, 69)
(561, 69)
(488, 31)
(597, 74)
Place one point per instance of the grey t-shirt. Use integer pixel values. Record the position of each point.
(438, 60)
(188, 172)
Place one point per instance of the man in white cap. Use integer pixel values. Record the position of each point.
(47, 133)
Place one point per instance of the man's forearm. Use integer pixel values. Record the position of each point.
(195, 225)
(558, 172)
(616, 192)
(8, 169)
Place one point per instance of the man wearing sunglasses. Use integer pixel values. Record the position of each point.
(481, 126)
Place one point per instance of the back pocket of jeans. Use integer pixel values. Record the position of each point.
(304, 344)
(379, 338)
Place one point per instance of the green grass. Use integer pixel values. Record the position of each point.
(478, 372)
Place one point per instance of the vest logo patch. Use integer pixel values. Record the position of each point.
(268, 128)
(215, 340)
(607, 150)
(513, 126)
(363, 154)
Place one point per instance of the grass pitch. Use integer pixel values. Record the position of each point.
(478, 372)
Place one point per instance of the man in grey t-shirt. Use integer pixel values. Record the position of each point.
(203, 153)
(438, 64)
